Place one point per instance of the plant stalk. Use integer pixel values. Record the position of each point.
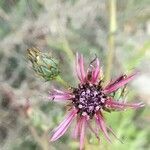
(60, 80)
(111, 38)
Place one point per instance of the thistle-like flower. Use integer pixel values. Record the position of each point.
(89, 100)
(43, 64)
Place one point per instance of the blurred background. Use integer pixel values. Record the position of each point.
(116, 31)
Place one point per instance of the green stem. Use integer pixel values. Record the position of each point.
(60, 80)
(111, 38)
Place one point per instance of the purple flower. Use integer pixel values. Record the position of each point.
(89, 100)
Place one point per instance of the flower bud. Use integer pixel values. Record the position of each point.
(43, 64)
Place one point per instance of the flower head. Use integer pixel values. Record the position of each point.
(89, 100)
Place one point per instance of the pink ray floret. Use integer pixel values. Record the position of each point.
(62, 128)
(116, 85)
(58, 95)
(101, 123)
(96, 72)
(80, 68)
(82, 131)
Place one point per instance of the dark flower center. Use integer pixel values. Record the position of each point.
(88, 99)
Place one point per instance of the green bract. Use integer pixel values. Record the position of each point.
(43, 64)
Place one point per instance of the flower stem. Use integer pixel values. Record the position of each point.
(111, 38)
(60, 80)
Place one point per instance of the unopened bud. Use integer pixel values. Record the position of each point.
(43, 64)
